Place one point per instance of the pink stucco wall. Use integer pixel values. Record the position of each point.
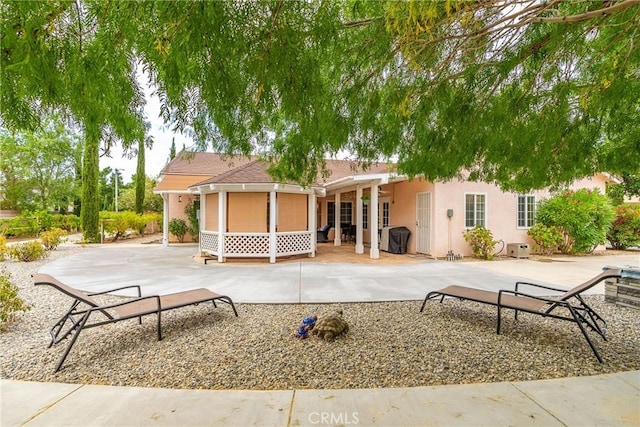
(177, 204)
(447, 234)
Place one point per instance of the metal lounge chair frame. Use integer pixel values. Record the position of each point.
(577, 310)
(84, 306)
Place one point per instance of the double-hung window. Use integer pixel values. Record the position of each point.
(475, 210)
(345, 213)
(365, 217)
(526, 210)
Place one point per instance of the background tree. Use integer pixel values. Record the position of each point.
(140, 176)
(172, 150)
(37, 169)
(152, 202)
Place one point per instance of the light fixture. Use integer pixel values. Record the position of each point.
(179, 199)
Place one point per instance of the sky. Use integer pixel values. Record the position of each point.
(156, 157)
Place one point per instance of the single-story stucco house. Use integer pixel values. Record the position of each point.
(244, 213)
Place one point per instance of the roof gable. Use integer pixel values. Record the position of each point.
(203, 163)
(253, 172)
(215, 168)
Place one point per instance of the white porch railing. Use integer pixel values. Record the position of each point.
(256, 245)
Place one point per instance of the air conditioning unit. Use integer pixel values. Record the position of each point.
(518, 250)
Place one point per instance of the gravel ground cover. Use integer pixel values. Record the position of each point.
(389, 345)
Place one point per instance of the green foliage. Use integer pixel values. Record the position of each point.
(442, 86)
(138, 223)
(583, 217)
(172, 149)
(625, 230)
(10, 301)
(27, 251)
(630, 186)
(52, 238)
(20, 226)
(90, 209)
(3, 247)
(152, 202)
(37, 169)
(481, 241)
(191, 210)
(30, 224)
(178, 227)
(547, 238)
(140, 177)
(615, 192)
(119, 224)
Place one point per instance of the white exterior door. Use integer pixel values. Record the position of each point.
(383, 212)
(423, 223)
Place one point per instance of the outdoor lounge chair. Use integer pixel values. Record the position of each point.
(84, 306)
(577, 309)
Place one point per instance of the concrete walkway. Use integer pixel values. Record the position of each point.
(161, 270)
(605, 400)
(609, 400)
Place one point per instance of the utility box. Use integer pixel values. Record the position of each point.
(518, 250)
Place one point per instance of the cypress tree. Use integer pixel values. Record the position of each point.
(140, 179)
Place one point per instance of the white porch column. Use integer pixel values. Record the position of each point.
(273, 243)
(222, 223)
(374, 252)
(165, 219)
(201, 218)
(311, 212)
(359, 243)
(337, 236)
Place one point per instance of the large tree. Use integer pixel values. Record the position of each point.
(64, 57)
(37, 169)
(523, 93)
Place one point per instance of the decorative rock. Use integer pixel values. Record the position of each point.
(390, 344)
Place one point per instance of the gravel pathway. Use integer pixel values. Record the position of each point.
(389, 345)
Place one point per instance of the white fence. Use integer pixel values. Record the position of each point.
(256, 245)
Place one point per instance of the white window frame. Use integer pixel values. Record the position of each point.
(485, 220)
(331, 215)
(529, 220)
(365, 216)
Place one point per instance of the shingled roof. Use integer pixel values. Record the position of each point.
(240, 170)
(253, 172)
(203, 163)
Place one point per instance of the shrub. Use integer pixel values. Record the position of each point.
(481, 241)
(625, 229)
(547, 238)
(3, 247)
(138, 223)
(178, 227)
(21, 226)
(583, 217)
(30, 224)
(191, 210)
(153, 221)
(52, 238)
(10, 302)
(28, 251)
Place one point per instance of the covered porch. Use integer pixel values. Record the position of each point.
(361, 192)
